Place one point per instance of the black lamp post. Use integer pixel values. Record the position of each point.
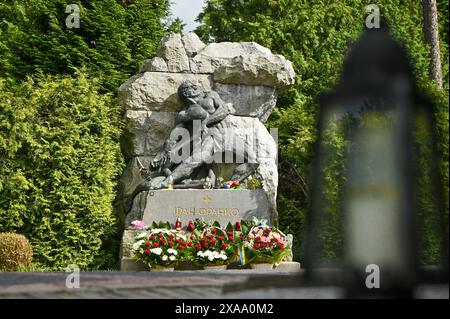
(364, 213)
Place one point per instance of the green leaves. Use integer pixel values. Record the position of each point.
(113, 38)
(59, 160)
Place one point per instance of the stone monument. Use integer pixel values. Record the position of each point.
(222, 91)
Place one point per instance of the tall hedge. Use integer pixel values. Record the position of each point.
(315, 36)
(113, 37)
(59, 162)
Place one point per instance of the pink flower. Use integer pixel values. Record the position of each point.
(138, 224)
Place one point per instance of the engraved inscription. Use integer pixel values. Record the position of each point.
(205, 212)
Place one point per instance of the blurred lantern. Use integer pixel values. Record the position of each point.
(376, 140)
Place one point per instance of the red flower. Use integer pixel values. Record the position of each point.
(202, 239)
(183, 243)
(255, 245)
(224, 246)
(237, 226)
(147, 251)
(171, 236)
(241, 236)
(258, 239)
(213, 231)
(170, 243)
(231, 239)
(192, 237)
(160, 235)
(148, 244)
(205, 245)
(263, 245)
(211, 237)
(190, 226)
(151, 237)
(156, 244)
(212, 242)
(181, 247)
(270, 244)
(281, 246)
(198, 246)
(220, 238)
(230, 233)
(189, 244)
(163, 241)
(177, 240)
(275, 240)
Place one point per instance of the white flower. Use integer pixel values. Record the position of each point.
(137, 244)
(223, 257)
(172, 258)
(211, 257)
(182, 237)
(156, 251)
(161, 230)
(208, 253)
(172, 251)
(165, 257)
(200, 254)
(142, 235)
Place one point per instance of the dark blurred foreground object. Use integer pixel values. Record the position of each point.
(376, 145)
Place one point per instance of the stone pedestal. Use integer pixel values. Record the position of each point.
(211, 205)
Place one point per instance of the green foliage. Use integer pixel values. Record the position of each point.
(59, 161)
(315, 36)
(113, 39)
(254, 183)
(59, 153)
(15, 252)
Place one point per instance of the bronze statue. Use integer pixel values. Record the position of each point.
(211, 110)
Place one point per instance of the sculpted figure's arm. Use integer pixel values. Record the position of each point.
(222, 109)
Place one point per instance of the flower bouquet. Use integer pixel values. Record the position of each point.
(231, 185)
(213, 248)
(265, 245)
(161, 249)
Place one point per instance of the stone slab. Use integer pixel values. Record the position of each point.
(288, 266)
(211, 205)
(130, 264)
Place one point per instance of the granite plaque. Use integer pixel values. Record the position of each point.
(210, 205)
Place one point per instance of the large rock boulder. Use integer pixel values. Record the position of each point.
(217, 54)
(192, 44)
(144, 131)
(244, 63)
(249, 100)
(171, 49)
(156, 64)
(251, 134)
(157, 91)
(269, 70)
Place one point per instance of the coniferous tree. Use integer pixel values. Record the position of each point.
(112, 39)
